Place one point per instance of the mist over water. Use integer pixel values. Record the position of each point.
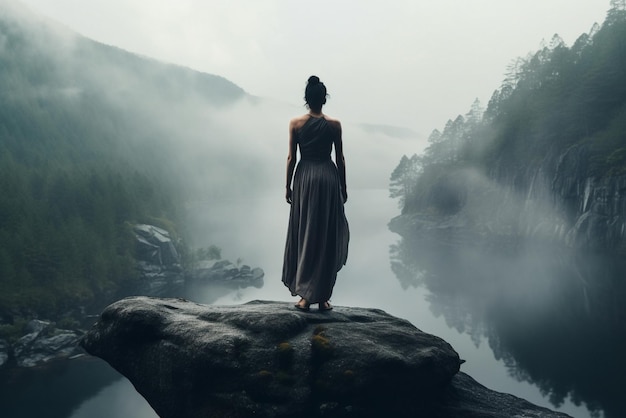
(456, 295)
(453, 294)
(233, 159)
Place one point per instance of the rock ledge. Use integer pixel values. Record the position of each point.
(265, 359)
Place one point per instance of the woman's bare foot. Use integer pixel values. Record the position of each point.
(325, 306)
(302, 305)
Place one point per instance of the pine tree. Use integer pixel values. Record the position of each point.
(617, 12)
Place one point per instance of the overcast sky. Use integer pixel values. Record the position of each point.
(403, 62)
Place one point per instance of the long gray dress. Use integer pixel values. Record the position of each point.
(318, 235)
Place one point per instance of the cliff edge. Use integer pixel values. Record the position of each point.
(265, 359)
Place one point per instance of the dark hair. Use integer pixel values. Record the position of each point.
(315, 93)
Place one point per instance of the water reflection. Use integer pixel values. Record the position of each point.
(54, 391)
(554, 318)
(116, 400)
(255, 229)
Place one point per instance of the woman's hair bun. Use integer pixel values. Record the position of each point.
(314, 93)
(313, 80)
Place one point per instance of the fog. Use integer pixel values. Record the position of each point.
(394, 74)
(412, 64)
(215, 149)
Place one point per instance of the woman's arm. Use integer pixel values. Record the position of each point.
(340, 161)
(291, 160)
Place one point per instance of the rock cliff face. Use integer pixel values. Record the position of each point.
(558, 200)
(161, 274)
(265, 359)
(597, 206)
(563, 200)
(43, 342)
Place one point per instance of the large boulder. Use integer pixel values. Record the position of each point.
(158, 263)
(43, 343)
(265, 359)
(155, 246)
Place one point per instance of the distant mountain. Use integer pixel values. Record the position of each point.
(70, 61)
(87, 147)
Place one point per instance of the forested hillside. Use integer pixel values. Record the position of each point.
(80, 160)
(554, 134)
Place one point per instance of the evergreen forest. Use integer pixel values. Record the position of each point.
(80, 162)
(550, 101)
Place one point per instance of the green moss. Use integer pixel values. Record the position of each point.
(285, 353)
(285, 347)
(320, 343)
(321, 347)
(319, 330)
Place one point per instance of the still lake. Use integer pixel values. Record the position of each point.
(254, 230)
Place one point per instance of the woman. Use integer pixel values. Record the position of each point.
(317, 236)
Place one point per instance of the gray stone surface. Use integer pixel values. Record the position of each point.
(155, 246)
(44, 343)
(4, 352)
(266, 359)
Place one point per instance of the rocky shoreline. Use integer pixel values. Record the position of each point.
(160, 274)
(42, 343)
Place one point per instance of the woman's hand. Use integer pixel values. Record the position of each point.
(288, 195)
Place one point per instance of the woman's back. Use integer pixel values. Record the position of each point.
(315, 139)
(317, 237)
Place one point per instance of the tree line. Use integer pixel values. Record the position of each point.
(550, 100)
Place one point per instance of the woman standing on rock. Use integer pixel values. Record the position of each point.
(317, 236)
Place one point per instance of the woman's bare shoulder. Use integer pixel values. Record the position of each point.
(298, 121)
(333, 121)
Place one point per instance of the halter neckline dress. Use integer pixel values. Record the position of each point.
(317, 234)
